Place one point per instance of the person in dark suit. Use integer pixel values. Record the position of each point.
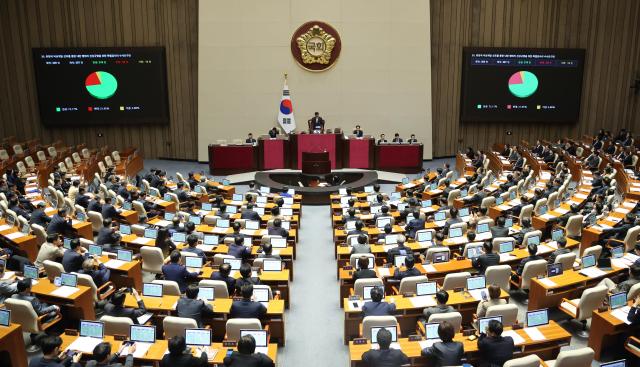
(363, 271)
(277, 229)
(499, 230)
(446, 352)
(246, 308)
(442, 297)
(60, 224)
(39, 217)
(194, 308)
(245, 356)
(562, 249)
(359, 229)
(246, 278)
(223, 275)
(495, 349)
(410, 271)
(96, 270)
(414, 225)
(192, 242)
(181, 193)
(453, 219)
(488, 258)
(397, 138)
(108, 210)
(634, 312)
(17, 207)
(116, 308)
(384, 357)
(82, 199)
(412, 139)
(249, 213)
(180, 356)
(102, 356)
(73, 258)
(620, 232)
(533, 255)
(178, 272)
(94, 204)
(476, 198)
(250, 139)
(358, 132)
(108, 237)
(382, 139)
(50, 345)
(238, 250)
(24, 293)
(316, 122)
(267, 253)
(400, 250)
(273, 133)
(377, 307)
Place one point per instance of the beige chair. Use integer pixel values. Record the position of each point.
(509, 313)
(539, 204)
(23, 314)
(152, 259)
(498, 240)
(53, 269)
(358, 286)
(630, 239)
(116, 325)
(528, 361)
(566, 260)
(17, 149)
(455, 280)
(454, 318)
(525, 212)
(408, 284)
(40, 233)
(108, 161)
(581, 309)
(169, 287)
(52, 151)
(41, 156)
(488, 202)
(220, 289)
(370, 322)
(30, 163)
(174, 198)
(116, 156)
(433, 232)
(634, 291)
(573, 229)
(139, 208)
(4, 156)
(138, 230)
(96, 220)
(468, 246)
(593, 250)
(453, 195)
(353, 259)
(76, 158)
(581, 357)
(176, 326)
(434, 250)
(499, 275)
(462, 225)
(525, 239)
(552, 200)
(234, 326)
(532, 269)
(99, 294)
(218, 259)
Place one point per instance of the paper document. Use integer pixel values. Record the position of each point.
(548, 216)
(544, 249)
(547, 282)
(621, 314)
(64, 291)
(9, 275)
(141, 240)
(552, 244)
(14, 235)
(206, 248)
(422, 301)
(429, 268)
(561, 210)
(506, 257)
(162, 223)
(114, 264)
(517, 339)
(428, 343)
(619, 263)
(247, 232)
(388, 247)
(409, 185)
(534, 333)
(4, 227)
(384, 272)
(144, 318)
(477, 293)
(592, 272)
(84, 344)
(581, 196)
(376, 346)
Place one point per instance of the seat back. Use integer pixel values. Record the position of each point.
(488, 202)
(353, 259)
(525, 212)
(408, 284)
(76, 157)
(87, 281)
(40, 233)
(539, 204)
(453, 195)
(96, 220)
(499, 275)
(593, 250)
(469, 246)
(116, 325)
(370, 322)
(21, 167)
(528, 361)
(17, 149)
(218, 259)
(634, 291)
(152, 259)
(454, 318)
(176, 326)
(108, 161)
(532, 269)
(169, 287)
(79, 209)
(52, 151)
(4, 155)
(116, 156)
(498, 240)
(575, 358)
(455, 280)
(433, 250)
(509, 313)
(552, 200)
(566, 260)
(631, 238)
(574, 226)
(358, 286)
(590, 300)
(462, 225)
(220, 289)
(53, 269)
(22, 313)
(139, 208)
(234, 326)
(29, 161)
(85, 153)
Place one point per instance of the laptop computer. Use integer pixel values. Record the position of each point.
(473, 252)
(366, 292)
(260, 337)
(197, 337)
(426, 288)
(426, 204)
(482, 228)
(179, 237)
(508, 223)
(152, 290)
(431, 330)
(261, 295)
(193, 263)
(81, 217)
(66, 243)
(368, 189)
(169, 216)
(464, 212)
(533, 240)
(222, 223)
(142, 334)
(151, 233)
(206, 293)
(440, 216)
(499, 201)
(252, 225)
(127, 205)
(392, 329)
(557, 234)
(618, 363)
(618, 300)
(194, 219)
(424, 236)
(226, 182)
(30, 272)
(398, 260)
(440, 257)
(265, 190)
(477, 282)
(68, 279)
(261, 200)
(125, 229)
(232, 209)
(588, 261)
(234, 263)
(211, 239)
(237, 197)
(391, 239)
(402, 206)
(537, 317)
(125, 255)
(554, 269)
(405, 180)
(5, 317)
(505, 247)
(207, 207)
(382, 222)
(455, 232)
(277, 242)
(271, 265)
(617, 252)
(95, 250)
(483, 322)
(287, 212)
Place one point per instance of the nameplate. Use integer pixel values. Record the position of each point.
(408, 294)
(354, 298)
(359, 341)
(348, 267)
(415, 338)
(229, 343)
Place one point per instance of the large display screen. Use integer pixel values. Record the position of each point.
(507, 84)
(99, 86)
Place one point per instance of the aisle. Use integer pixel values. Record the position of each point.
(314, 323)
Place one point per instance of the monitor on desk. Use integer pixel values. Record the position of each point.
(424, 236)
(618, 300)
(538, 317)
(125, 255)
(80, 217)
(207, 207)
(508, 223)
(482, 228)
(167, 197)
(222, 223)
(127, 205)
(506, 247)
(234, 263)
(142, 334)
(195, 219)
(200, 189)
(30, 272)
(366, 291)
(463, 194)
(271, 265)
(483, 322)
(392, 329)
(405, 180)
(588, 261)
(179, 237)
(287, 212)
(557, 234)
(543, 209)
(237, 197)
(440, 216)
(401, 206)
(391, 239)
(252, 225)
(232, 209)
(617, 252)
(426, 204)
(533, 240)
(342, 191)
(474, 251)
(395, 196)
(125, 229)
(434, 186)
(285, 224)
(431, 330)
(278, 242)
(440, 257)
(193, 261)
(91, 329)
(206, 293)
(5, 317)
(68, 279)
(512, 195)
(477, 282)
(151, 233)
(382, 222)
(398, 260)
(455, 232)
(288, 200)
(554, 269)
(368, 189)
(372, 199)
(426, 288)
(260, 336)
(261, 294)
(169, 216)
(152, 290)
(464, 212)
(66, 243)
(95, 250)
(261, 200)
(350, 225)
(211, 239)
(199, 337)
(499, 200)
(259, 210)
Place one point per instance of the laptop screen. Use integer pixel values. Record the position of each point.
(237, 197)
(464, 212)
(167, 197)
(476, 283)
(506, 247)
(482, 228)
(405, 180)
(231, 209)
(151, 233)
(391, 239)
(5, 317)
(402, 206)
(127, 205)
(226, 182)
(193, 261)
(142, 334)
(125, 255)
(617, 252)
(179, 237)
(366, 292)
(499, 201)
(152, 290)
(426, 288)
(431, 330)
(537, 317)
(288, 201)
(455, 232)
(259, 210)
(125, 229)
(368, 189)
(200, 337)
(618, 300)
(286, 225)
(424, 236)
(93, 329)
(392, 329)
(195, 219)
(619, 363)
(473, 252)
(30, 272)
(271, 265)
(434, 186)
(398, 260)
(440, 257)
(80, 216)
(287, 212)
(381, 222)
(350, 225)
(508, 222)
(588, 261)
(207, 207)
(235, 263)
(533, 240)
(265, 190)
(261, 294)
(557, 234)
(222, 223)
(252, 225)
(440, 216)
(277, 242)
(483, 322)
(70, 280)
(66, 243)
(169, 215)
(210, 239)
(261, 200)
(206, 293)
(95, 250)
(260, 336)
(554, 269)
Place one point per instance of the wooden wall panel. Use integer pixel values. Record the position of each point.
(76, 23)
(608, 30)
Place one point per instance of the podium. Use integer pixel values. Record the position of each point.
(316, 143)
(358, 152)
(272, 152)
(316, 163)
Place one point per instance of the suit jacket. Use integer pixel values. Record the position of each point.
(179, 274)
(382, 308)
(109, 211)
(39, 307)
(112, 362)
(247, 310)
(400, 274)
(250, 214)
(495, 351)
(184, 360)
(436, 310)
(182, 195)
(39, 217)
(231, 282)
(83, 201)
(444, 354)
(250, 141)
(242, 281)
(524, 261)
(118, 311)
(364, 274)
(476, 198)
(397, 140)
(239, 252)
(7, 290)
(196, 251)
(484, 261)
(391, 254)
(100, 276)
(72, 261)
(277, 231)
(497, 231)
(413, 226)
(107, 236)
(59, 225)
(95, 206)
(618, 232)
(43, 362)
(634, 315)
(556, 253)
(195, 309)
(248, 360)
(384, 358)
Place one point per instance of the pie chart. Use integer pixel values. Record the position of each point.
(522, 84)
(101, 85)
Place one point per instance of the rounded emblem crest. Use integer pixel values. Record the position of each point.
(315, 46)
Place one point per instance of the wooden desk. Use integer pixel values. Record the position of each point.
(11, 340)
(555, 338)
(607, 330)
(277, 280)
(128, 274)
(26, 245)
(80, 303)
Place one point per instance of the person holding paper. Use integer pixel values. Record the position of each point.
(494, 300)
(447, 352)
(102, 356)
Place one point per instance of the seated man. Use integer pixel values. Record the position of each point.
(249, 213)
(486, 259)
(453, 219)
(377, 307)
(267, 252)
(223, 275)
(183, 195)
(361, 246)
(39, 217)
(495, 349)
(476, 198)
(384, 356)
(102, 356)
(246, 277)
(60, 224)
(625, 286)
(316, 123)
(108, 237)
(442, 297)
(116, 308)
(414, 224)
(192, 307)
(445, 352)
(108, 210)
(51, 250)
(397, 138)
(634, 312)
(400, 250)
(192, 242)
(499, 230)
(410, 271)
(96, 270)
(277, 230)
(494, 300)
(363, 270)
(246, 356)
(24, 293)
(238, 250)
(533, 255)
(72, 259)
(250, 139)
(177, 356)
(562, 249)
(50, 345)
(358, 230)
(178, 272)
(358, 132)
(246, 308)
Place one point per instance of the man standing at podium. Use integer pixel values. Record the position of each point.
(316, 124)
